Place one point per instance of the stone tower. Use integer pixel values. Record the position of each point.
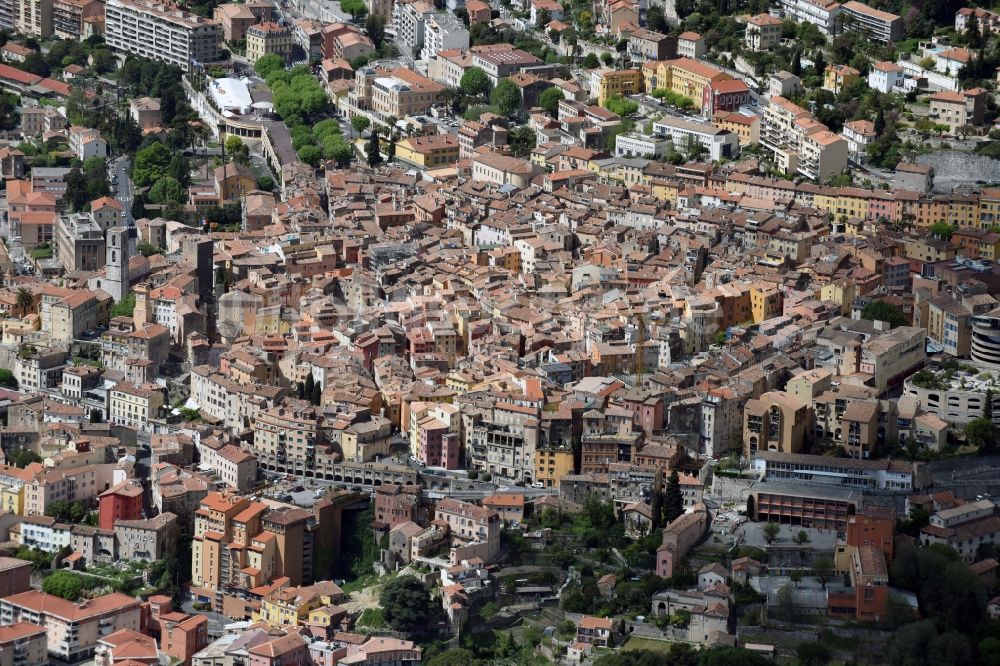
(116, 281)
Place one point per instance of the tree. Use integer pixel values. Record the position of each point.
(656, 501)
(796, 576)
(942, 230)
(786, 602)
(7, 379)
(35, 63)
(880, 121)
(76, 188)
(360, 123)
(812, 654)
(390, 148)
(151, 164)
(521, 140)
(308, 386)
(796, 66)
(148, 249)
(167, 190)
(988, 406)
(375, 27)
(607, 58)
(819, 64)
(356, 8)
(621, 106)
(822, 570)
(802, 538)
(63, 584)
(883, 311)
(104, 61)
(139, 207)
(268, 64)
(453, 657)
(406, 603)
(981, 433)
(316, 395)
(771, 530)
(25, 457)
(506, 97)
(374, 150)
(475, 83)
(24, 300)
(590, 61)
(549, 100)
(673, 499)
(655, 20)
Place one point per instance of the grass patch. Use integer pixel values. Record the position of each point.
(359, 584)
(373, 618)
(651, 644)
(41, 252)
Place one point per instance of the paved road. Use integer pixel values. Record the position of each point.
(123, 188)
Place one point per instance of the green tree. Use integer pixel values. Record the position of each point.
(316, 396)
(148, 249)
(124, 307)
(76, 188)
(406, 603)
(822, 570)
(139, 207)
(771, 530)
(25, 457)
(453, 657)
(360, 123)
(375, 27)
(796, 576)
(24, 300)
(167, 190)
(506, 97)
(7, 379)
(268, 64)
(802, 538)
(988, 405)
(475, 83)
(621, 106)
(883, 311)
(607, 58)
(590, 61)
(796, 66)
(374, 150)
(786, 603)
(150, 164)
(673, 499)
(356, 8)
(521, 140)
(812, 654)
(63, 584)
(942, 230)
(549, 100)
(981, 433)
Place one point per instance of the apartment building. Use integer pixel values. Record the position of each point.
(886, 77)
(763, 32)
(23, 644)
(824, 14)
(443, 31)
(717, 143)
(147, 539)
(267, 38)
(645, 45)
(684, 76)
(234, 18)
(474, 530)
(958, 109)
(690, 45)
(964, 528)
(775, 422)
(70, 17)
(876, 25)
(799, 142)
(838, 77)
(15, 576)
(499, 64)
(72, 629)
(162, 32)
(410, 20)
(34, 17)
(134, 405)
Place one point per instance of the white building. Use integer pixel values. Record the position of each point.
(443, 31)
(720, 143)
(410, 20)
(885, 77)
(86, 143)
(824, 14)
(634, 144)
(859, 134)
(161, 32)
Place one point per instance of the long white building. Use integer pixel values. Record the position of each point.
(161, 32)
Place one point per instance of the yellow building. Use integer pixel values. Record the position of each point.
(842, 202)
(619, 82)
(294, 605)
(683, 76)
(745, 127)
(765, 301)
(841, 292)
(552, 465)
(267, 38)
(12, 480)
(989, 206)
(963, 210)
(838, 77)
(429, 152)
(665, 190)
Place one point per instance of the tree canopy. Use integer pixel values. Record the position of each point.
(883, 311)
(475, 83)
(406, 603)
(506, 97)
